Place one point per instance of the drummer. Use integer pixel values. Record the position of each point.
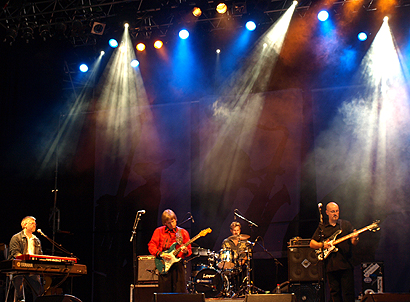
(237, 243)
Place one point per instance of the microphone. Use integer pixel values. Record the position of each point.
(192, 217)
(141, 212)
(39, 231)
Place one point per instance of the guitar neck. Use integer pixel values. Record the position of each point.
(176, 252)
(350, 235)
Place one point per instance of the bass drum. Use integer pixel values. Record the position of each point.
(211, 282)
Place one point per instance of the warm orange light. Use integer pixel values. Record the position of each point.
(221, 8)
(140, 47)
(196, 11)
(158, 44)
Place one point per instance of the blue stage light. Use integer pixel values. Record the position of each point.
(362, 36)
(323, 15)
(184, 34)
(113, 43)
(83, 68)
(250, 25)
(135, 63)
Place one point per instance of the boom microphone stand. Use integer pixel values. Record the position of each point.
(321, 281)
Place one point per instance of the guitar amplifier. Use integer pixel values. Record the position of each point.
(372, 277)
(147, 271)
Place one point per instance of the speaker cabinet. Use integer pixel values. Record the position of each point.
(147, 269)
(271, 298)
(306, 292)
(372, 277)
(171, 297)
(303, 264)
(144, 292)
(386, 298)
(58, 298)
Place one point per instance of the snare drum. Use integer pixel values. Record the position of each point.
(211, 282)
(226, 259)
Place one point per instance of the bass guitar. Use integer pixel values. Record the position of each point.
(332, 239)
(163, 265)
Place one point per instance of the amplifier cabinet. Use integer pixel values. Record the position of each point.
(145, 292)
(147, 271)
(303, 264)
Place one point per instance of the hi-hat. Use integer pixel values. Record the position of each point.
(239, 237)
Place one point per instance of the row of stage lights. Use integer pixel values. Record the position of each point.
(184, 34)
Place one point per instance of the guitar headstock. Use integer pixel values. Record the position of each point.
(205, 232)
(374, 227)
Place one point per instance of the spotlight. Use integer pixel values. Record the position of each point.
(295, 3)
(102, 52)
(126, 25)
(11, 35)
(218, 51)
(28, 33)
(323, 15)
(140, 46)
(221, 8)
(196, 11)
(362, 36)
(60, 29)
(183, 34)
(385, 19)
(98, 28)
(250, 25)
(135, 63)
(158, 44)
(44, 30)
(77, 28)
(113, 43)
(83, 68)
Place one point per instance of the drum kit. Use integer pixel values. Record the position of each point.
(221, 274)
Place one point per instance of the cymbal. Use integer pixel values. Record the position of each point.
(239, 237)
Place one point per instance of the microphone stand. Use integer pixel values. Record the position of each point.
(134, 244)
(250, 285)
(321, 281)
(185, 221)
(57, 245)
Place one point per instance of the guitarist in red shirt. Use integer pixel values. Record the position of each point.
(171, 278)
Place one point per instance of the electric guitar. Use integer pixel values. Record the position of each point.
(163, 265)
(332, 239)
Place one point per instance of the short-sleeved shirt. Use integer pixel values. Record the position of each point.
(339, 260)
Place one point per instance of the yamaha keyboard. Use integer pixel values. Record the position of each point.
(43, 264)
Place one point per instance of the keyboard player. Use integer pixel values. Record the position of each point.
(25, 242)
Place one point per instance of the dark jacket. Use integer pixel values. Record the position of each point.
(18, 245)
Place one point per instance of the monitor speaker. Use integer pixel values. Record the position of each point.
(174, 297)
(271, 298)
(58, 298)
(147, 269)
(386, 297)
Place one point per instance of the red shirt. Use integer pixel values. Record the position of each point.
(163, 238)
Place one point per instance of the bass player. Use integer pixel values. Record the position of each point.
(173, 281)
(339, 269)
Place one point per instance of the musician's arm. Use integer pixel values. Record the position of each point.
(185, 252)
(154, 245)
(318, 245)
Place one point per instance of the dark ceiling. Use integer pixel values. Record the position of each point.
(75, 21)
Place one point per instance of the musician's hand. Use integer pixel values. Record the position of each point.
(166, 257)
(327, 245)
(184, 249)
(355, 238)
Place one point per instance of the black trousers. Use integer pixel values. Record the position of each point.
(174, 280)
(341, 285)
